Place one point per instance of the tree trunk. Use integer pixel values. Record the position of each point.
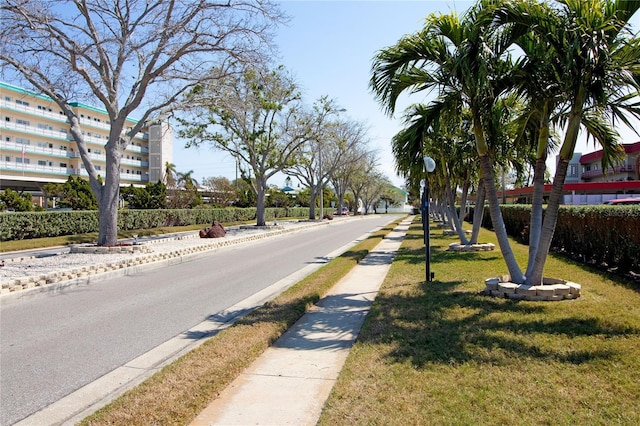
(535, 226)
(312, 205)
(498, 223)
(451, 202)
(463, 200)
(549, 224)
(478, 213)
(108, 200)
(551, 214)
(261, 189)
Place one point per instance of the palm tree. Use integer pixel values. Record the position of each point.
(459, 57)
(591, 71)
(169, 176)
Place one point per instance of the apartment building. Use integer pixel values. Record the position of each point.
(627, 169)
(36, 146)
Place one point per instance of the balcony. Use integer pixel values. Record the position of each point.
(34, 111)
(57, 134)
(30, 149)
(611, 172)
(34, 168)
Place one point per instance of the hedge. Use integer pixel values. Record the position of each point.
(26, 225)
(599, 234)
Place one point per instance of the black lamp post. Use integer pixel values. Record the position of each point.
(429, 166)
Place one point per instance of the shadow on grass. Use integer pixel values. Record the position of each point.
(452, 327)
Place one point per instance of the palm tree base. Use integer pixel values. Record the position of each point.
(551, 289)
(471, 247)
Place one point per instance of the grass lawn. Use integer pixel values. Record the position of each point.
(441, 353)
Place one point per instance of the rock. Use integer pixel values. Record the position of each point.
(216, 230)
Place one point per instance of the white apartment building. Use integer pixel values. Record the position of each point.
(36, 146)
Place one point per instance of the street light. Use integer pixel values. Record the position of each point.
(429, 166)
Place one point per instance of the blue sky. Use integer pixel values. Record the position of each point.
(328, 46)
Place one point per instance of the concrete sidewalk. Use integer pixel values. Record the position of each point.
(291, 381)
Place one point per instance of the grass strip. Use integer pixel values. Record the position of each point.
(180, 391)
(442, 353)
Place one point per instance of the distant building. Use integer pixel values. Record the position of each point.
(36, 146)
(588, 183)
(627, 169)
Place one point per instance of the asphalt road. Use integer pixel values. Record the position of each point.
(55, 343)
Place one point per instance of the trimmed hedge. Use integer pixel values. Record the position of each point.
(26, 225)
(596, 234)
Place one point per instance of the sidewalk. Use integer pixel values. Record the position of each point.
(291, 381)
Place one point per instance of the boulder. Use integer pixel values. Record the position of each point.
(216, 230)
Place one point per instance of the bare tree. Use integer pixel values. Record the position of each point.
(319, 159)
(373, 190)
(221, 190)
(257, 116)
(342, 177)
(130, 56)
(364, 172)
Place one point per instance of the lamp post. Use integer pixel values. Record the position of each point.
(429, 166)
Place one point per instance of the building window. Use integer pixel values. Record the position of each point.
(8, 139)
(573, 170)
(98, 167)
(23, 141)
(7, 98)
(22, 160)
(7, 119)
(63, 147)
(20, 102)
(42, 163)
(23, 122)
(7, 158)
(64, 165)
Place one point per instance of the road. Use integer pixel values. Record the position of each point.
(54, 343)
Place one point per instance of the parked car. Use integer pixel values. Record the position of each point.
(343, 212)
(623, 201)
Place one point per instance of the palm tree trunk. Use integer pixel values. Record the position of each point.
(451, 201)
(549, 224)
(498, 223)
(478, 213)
(463, 200)
(535, 225)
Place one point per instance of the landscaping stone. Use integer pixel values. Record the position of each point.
(551, 290)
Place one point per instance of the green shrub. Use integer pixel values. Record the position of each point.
(25, 225)
(598, 234)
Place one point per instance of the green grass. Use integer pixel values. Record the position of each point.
(441, 353)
